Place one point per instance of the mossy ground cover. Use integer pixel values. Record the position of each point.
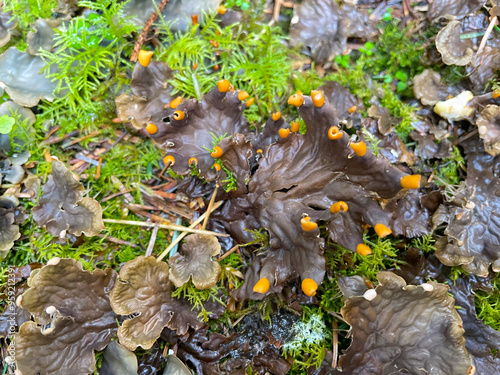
(94, 67)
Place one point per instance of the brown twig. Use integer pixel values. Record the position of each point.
(233, 249)
(335, 343)
(140, 40)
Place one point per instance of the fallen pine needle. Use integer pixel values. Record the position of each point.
(180, 228)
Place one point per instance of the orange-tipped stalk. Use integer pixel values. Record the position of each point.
(296, 99)
(352, 109)
(174, 103)
(193, 160)
(294, 126)
(340, 206)
(411, 181)
(276, 116)
(145, 57)
(362, 249)
(309, 287)
(178, 115)
(284, 132)
(334, 133)
(217, 167)
(194, 19)
(495, 94)
(318, 98)
(250, 102)
(381, 230)
(217, 152)
(259, 151)
(262, 286)
(307, 224)
(151, 128)
(169, 160)
(223, 85)
(359, 148)
(221, 9)
(242, 95)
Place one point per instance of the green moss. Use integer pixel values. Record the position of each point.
(197, 297)
(310, 337)
(450, 170)
(251, 55)
(91, 65)
(27, 12)
(488, 305)
(424, 243)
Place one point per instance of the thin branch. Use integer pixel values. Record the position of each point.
(180, 228)
(233, 249)
(152, 18)
(152, 240)
(486, 36)
(210, 205)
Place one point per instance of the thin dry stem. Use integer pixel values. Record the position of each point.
(140, 40)
(165, 226)
(210, 205)
(232, 250)
(485, 37)
(152, 240)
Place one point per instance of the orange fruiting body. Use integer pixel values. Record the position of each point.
(193, 160)
(217, 167)
(250, 102)
(284, 132)
(178, 115)
(359, 148)
(318, 98)
(352, 109)
(296, 99)
(334, 133)
(259, 151)
(174, 103)
(362, 249)
(294, 126)
(145, 57)
(276, 116)
(340, 206)
(411, 181)
(242, 95)
(382, 231)
(223, 85)
(195, 65)
(309, 287)
(262, 286)
(194, 19)
(151, 128)
(221, 9)
(169, 160)
(495, 94)
(217, 152)
(216, 66)
(307, 224)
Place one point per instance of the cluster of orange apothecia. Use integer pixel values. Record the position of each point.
(309, 286)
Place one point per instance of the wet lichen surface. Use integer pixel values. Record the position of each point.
(249, 187)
